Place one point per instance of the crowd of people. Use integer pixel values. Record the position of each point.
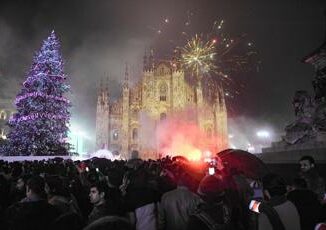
(163, 194)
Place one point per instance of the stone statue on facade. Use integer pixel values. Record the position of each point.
(301, 130)
(319, 84)
(308, 131)
(310, 123)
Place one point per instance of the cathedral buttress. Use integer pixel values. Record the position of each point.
(102, 117)
(125, 115)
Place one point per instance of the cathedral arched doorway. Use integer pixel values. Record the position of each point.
(209, 132)
(115, 135)
(135, 134)
(162, 116)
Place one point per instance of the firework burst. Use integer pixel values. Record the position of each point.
(214, 57)
(198, 56)
(218, 57)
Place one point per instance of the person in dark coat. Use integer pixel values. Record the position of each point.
(278, 212)
(33, 212)
(177, 205)
(19, 191)
(213, 212)
(139, 198)
(59, 196)
(307, 203)
(105, 201)
(310, 174)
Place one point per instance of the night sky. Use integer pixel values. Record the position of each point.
(98, 37)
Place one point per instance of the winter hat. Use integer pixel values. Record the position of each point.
(211, 187)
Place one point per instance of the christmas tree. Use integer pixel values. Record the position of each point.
(40, 125)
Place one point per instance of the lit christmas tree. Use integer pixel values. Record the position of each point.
(40, 125)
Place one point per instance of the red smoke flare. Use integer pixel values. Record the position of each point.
(184, 137)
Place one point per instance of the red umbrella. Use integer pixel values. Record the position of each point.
(243, 161)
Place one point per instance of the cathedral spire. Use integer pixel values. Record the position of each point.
(102, 113)
(100, 91)
(126, 79)
(222, 98)
(126, 73)
(151, 62)
(106, 88)
(174, 60)
(103, 92)
(145, 67)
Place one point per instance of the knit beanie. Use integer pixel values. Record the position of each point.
(211, 187)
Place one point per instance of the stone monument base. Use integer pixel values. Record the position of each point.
(292, 154)
(286, 162)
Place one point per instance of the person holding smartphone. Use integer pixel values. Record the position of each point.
(276, 212)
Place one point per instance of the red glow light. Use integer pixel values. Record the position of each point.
(185, 138)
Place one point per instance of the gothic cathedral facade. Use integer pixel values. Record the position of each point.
(163, 91)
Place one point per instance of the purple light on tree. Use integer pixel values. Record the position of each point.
(41, 122)
(38, 94)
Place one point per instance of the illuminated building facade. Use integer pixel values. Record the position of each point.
(162, 91)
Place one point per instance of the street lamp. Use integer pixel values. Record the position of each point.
(250, 148)
(265, 138)
(77, 137)
(263, 134)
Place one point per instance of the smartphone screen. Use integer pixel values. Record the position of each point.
(211, 170)
(254, 206)
(320, 226)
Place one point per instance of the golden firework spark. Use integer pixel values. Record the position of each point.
(198, 56)
(214, 55)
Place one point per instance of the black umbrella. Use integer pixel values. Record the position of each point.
(180, 158)
(100, 162)
(245, 162)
